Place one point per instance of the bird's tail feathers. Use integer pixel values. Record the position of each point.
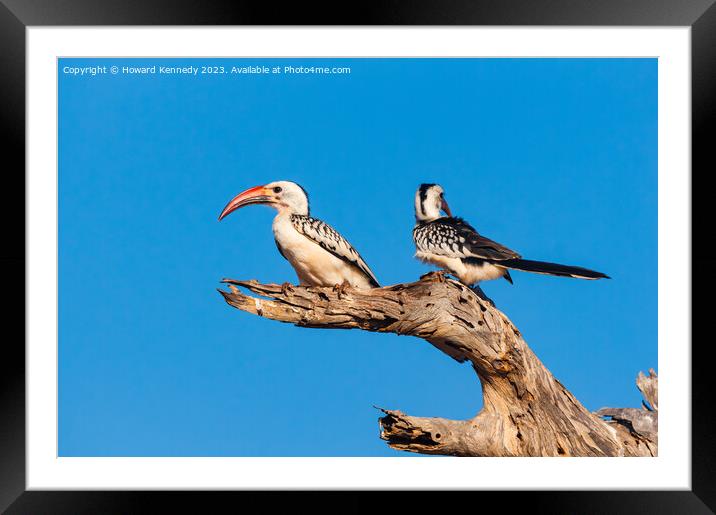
(542, 267)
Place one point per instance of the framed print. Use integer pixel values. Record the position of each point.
(537, 167)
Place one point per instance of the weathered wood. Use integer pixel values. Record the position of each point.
(649, 388)
(526, 410)
(642, 423)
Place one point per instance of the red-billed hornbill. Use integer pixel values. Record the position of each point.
(319, 255)
(453, 244)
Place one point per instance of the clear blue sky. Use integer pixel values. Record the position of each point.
(555, 158)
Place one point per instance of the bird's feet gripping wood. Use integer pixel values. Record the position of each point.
(437, 276)
(287, 288)
(341, 289)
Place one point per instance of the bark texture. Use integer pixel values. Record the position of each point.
(526, 410)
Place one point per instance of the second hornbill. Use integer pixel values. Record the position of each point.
(453, 244)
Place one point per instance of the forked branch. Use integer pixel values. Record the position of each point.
(526, 411)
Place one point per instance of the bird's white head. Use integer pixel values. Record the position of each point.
(284, 196)
(429, 201)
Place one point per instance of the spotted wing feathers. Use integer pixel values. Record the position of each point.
(328, 238)
(455, 238)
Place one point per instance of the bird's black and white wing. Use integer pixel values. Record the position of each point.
(329, 239)
(455, 238)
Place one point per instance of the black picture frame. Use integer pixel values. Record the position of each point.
(17, 15)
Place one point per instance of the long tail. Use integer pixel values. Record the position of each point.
(541, 267)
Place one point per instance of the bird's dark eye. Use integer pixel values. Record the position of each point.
(277, 189)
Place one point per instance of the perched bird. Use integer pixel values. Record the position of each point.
(453, 244)
(319, 255)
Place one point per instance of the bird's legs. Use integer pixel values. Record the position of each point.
(287, 288)
(341, 288)
(478, 291)
(438, 275)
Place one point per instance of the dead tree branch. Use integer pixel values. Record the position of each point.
(526, 411)
(641, 423)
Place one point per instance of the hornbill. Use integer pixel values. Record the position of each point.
(453, 244)
(317, 252)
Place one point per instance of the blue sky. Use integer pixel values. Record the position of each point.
(555, 158)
